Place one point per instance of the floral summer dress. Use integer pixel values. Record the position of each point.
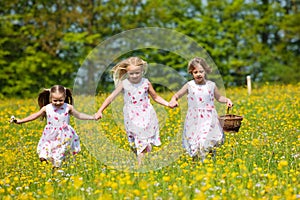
(58, 138)
(140, 118)
(202, 129)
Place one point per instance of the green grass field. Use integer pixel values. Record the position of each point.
(261, 161)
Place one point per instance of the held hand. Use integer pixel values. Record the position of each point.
(173, 104)
(98, 115)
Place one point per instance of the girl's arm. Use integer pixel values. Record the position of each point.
(157, 98)
(32, 116)
(178, 95)
(221, 98)
(108, 100)
(80, 115)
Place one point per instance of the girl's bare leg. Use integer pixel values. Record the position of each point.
(142, 154)
(149, 148)
(140, 158)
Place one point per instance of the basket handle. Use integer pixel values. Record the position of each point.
(228, 108)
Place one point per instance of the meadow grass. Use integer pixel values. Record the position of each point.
(261, 161)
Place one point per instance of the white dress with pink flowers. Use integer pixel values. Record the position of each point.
(202, 129)
(140, 118)
(58, 138)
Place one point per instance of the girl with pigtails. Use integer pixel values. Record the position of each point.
(141, 122)
(58, 138)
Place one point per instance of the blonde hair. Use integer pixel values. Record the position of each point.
(119, 71)
(199, 62)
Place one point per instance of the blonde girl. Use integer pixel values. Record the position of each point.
(140, 118)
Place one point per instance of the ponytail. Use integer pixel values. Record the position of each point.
(119, 71)
(69, 98)
(44, 98)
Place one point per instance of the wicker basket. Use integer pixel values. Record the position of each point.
(230, 122)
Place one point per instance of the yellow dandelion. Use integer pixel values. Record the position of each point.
(282, 164)
(166, 178)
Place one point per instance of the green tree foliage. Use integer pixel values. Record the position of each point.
(45, 42)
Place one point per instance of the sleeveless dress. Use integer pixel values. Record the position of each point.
(202, 129)
(141, 122)
(58, 138)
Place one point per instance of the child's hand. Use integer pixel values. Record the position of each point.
(13, 119)
(229, 103)
(173, 104)
(98, 115)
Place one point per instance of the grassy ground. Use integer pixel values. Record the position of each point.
(261, 161)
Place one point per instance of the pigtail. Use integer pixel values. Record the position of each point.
(145, 67)
(119, 71)
(69, 98)
(44, 98)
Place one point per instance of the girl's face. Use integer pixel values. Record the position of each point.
(199, 74)
(57, 99)
(135, 73)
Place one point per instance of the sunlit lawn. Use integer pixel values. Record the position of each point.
(261, 161)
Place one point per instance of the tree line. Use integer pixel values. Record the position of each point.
(45, 42)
